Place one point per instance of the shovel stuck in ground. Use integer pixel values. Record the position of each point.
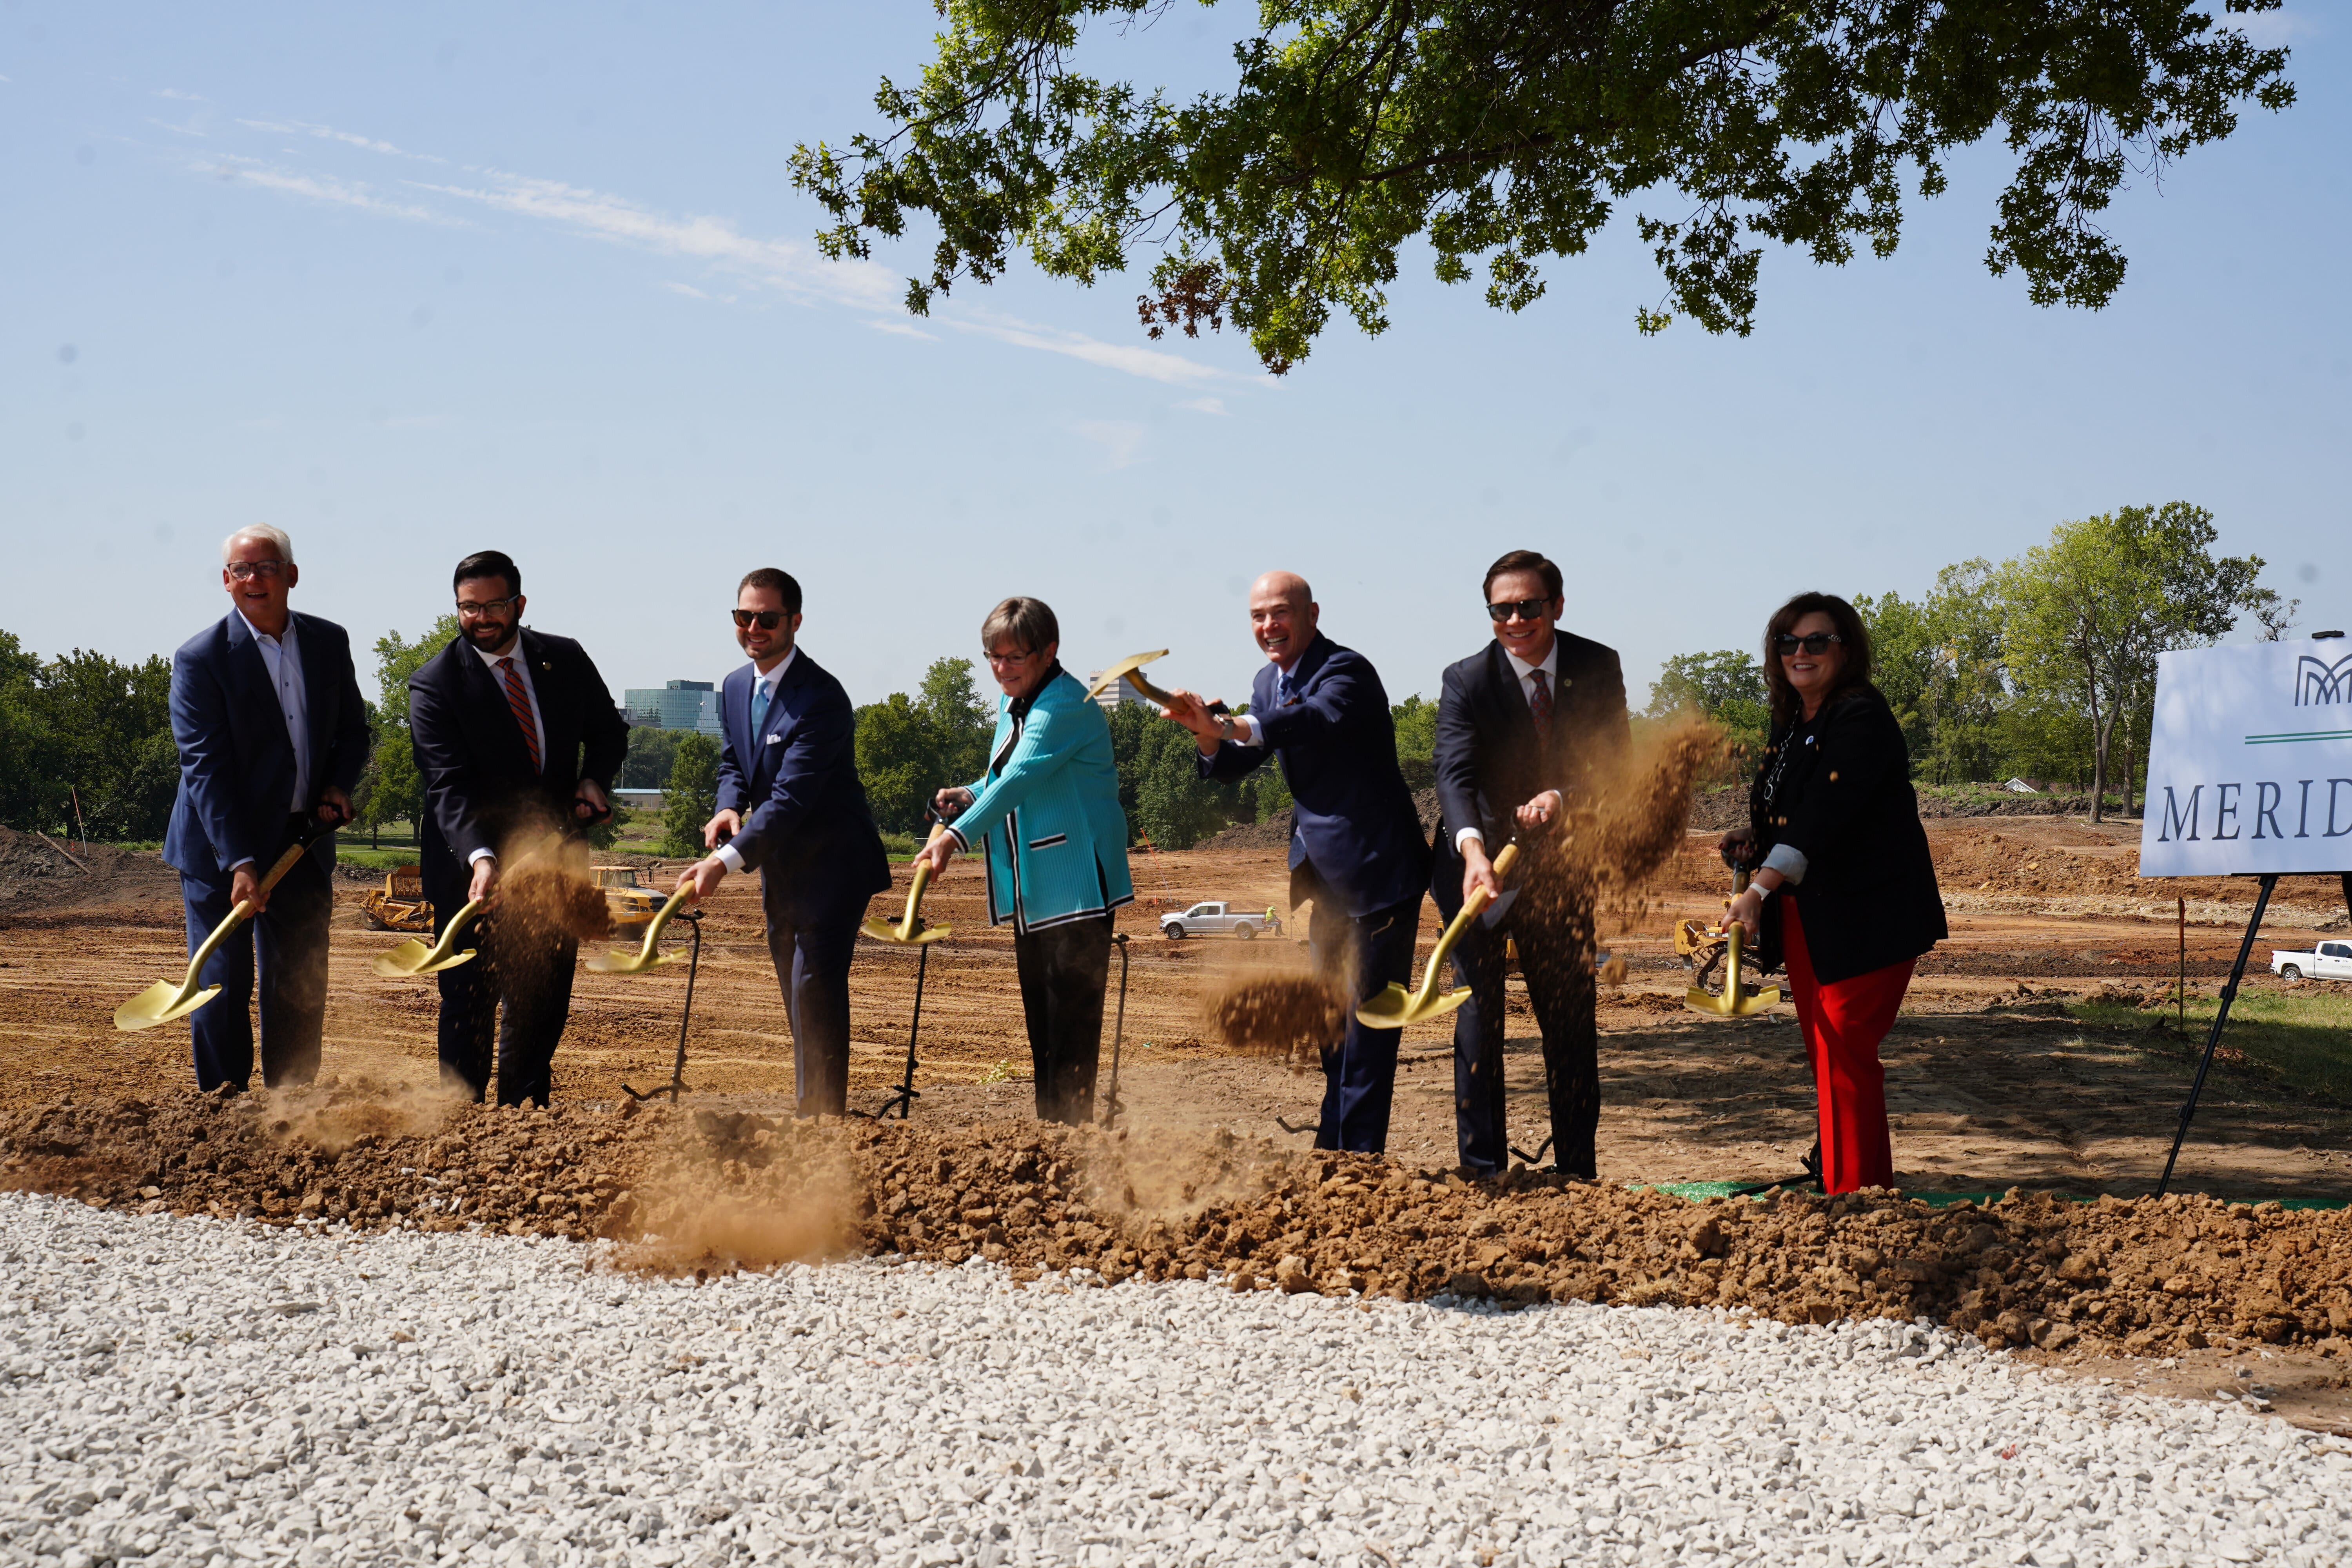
(1737, 999)
(648, 954)
(1395, 1007)
(910, 929)
(164, 1001)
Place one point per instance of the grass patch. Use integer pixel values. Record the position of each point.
(2301, 1040)
(384, 859)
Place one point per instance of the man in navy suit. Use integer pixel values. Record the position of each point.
(1529, 726)
(791, 806)
(272, 735)
(1356, 845)
(515, 734)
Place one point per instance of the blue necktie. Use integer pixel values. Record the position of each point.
(1284, 691)
(758, 708)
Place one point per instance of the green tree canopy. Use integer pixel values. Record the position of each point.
(909, 747)
(651, 753)
(392, 790)
(1501, 132)
(691, 796)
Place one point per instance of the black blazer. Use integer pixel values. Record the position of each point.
(807, 827)
(1353, 819)
(236, 756)
(1844, 799)
(1489, 761)
(478, 783)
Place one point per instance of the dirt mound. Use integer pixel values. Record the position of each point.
(37, 879)
(715, 1189)
(1274, 831)
(1278, 1014)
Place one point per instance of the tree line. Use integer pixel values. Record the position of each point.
(2043, 666)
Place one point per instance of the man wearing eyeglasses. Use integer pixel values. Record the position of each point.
(791, 806)
(1356, 848)
(272, 733)
(1525, 727)
(514, 735)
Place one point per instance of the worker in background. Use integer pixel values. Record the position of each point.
(272, 733)
(514, 735)
(791, 806)
(1527, 726)
(1053, 840)
(1357, 852)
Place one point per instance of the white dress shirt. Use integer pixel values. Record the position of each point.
(1246, 726)
(497, 663)
(1527, 674)
(725, 854)
(282, 657)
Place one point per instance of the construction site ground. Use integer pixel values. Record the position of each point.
(1999, 1077)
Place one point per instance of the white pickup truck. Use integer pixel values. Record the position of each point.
(1203, 919)
(2332, 961)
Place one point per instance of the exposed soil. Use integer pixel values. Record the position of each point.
(35, 876)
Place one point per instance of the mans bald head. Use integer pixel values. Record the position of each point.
(1283, 613)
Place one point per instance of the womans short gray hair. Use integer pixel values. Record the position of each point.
(1028, 622)
(275, 535)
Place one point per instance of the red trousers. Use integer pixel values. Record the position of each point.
(1843, 1023)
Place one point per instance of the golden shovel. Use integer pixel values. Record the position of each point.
(1731, 1004)
(162, 1002)
(645, 957)
(413, 957)
(1395, 1007)
(1126, 669)
(910, 931)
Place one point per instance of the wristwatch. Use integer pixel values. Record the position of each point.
(1226, 729)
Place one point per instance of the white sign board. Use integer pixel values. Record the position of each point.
(2250, 769)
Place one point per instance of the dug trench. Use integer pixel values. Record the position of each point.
(702, 1191)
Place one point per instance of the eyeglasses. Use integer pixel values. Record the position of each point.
(1788, 643)
(769, 619)
(245, 570)
(1526, 609)
(475, 611)
(1007, 660)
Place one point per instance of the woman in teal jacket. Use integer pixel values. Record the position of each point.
(1054, 841)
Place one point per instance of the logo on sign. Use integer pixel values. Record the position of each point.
(2317, 682)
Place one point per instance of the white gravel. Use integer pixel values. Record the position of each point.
(189, 1391)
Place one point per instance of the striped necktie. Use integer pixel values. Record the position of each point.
(1539, 703)
(519, 702)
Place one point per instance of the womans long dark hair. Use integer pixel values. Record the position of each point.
(1854, 640)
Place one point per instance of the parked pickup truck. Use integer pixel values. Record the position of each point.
(2333, 961)
(1204, 919)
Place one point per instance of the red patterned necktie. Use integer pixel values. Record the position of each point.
(1539, 704)
(519, 701)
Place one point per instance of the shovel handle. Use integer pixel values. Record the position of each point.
(1471, 906)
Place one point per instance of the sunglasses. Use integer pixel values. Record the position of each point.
(769, 619)
(1788, 643)
(244, 571)
(1526, 609)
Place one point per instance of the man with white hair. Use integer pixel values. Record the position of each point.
(272, 733)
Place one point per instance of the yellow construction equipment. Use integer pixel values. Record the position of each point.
(633, 902)
(400, 904)
(1703, 947)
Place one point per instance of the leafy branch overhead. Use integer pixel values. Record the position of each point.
(1505, 133)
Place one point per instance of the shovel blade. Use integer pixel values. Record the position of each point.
(887, 931)
(160, 1004)
(412, 958)
(1752, 1001)
(629, 962)
(1742, 1005)
(1395, 1007)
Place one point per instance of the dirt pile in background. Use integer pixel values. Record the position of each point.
(542, 900)
(725, 1189)
(1274, 831)
(36, 878)
(1282, 1015)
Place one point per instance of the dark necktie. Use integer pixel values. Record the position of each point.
(1539, 705)
(519, 701)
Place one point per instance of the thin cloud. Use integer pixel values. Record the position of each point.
(1120, 439)
(1150, 363)
(171, 92)
(1207, 406)
(329, 133)
(318, 188)
(176, 130)
(899, 329)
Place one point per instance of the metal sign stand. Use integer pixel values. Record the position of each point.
(902, 1099)
(1111, 1107)
(2221, 1017)
(678, 1084)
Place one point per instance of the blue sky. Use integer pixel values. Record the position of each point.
(420, 280)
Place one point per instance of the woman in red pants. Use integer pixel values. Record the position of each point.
(1844, 891)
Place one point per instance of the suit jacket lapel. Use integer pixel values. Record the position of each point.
(249, 673)
(1518, 719)
(317, 690)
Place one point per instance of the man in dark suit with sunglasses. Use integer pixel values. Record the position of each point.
(1527, 726)
(1357, 852)
(515, 734)
(791, 806)
(272, 735)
